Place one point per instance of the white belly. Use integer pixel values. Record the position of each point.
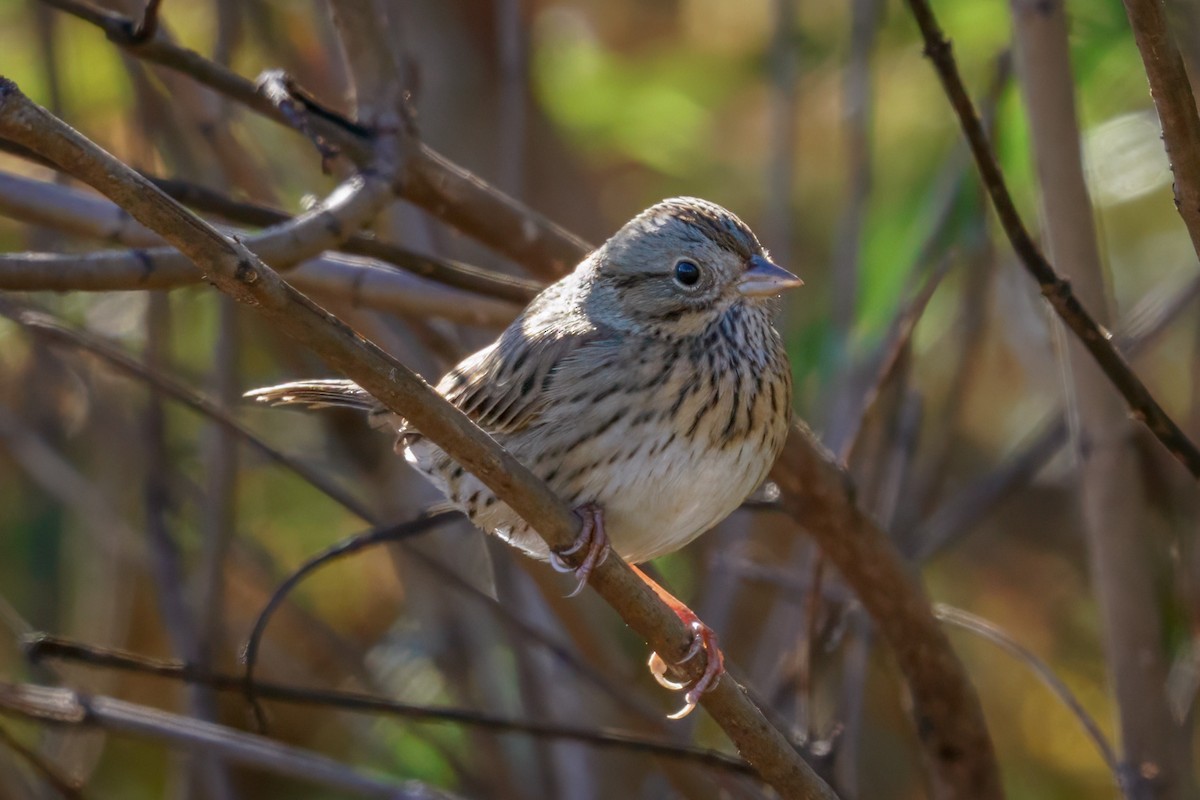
(652, 505)
(674, 497)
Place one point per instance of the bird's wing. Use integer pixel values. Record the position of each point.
(505, 386)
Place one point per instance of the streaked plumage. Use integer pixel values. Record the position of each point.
(662, 403)
(648, 388)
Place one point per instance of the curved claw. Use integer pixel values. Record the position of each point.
(703, 638)
(592, 539)
(658, 668)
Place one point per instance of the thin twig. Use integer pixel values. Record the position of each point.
(454, 195)
(894, 345)
(84, 214)
(999, 637)
(1144, 324)
(237, 271)
(42, 324)
(64, 786)
(1112, 500)
(41, 646)
(970, 504)
(949, 718)
(338, 550)
(1057, 291)
(66, 707)
(148, 25)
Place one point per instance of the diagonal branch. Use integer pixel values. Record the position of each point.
(1176, 106)
(39, 647)
(58, 206)
(1055, 289)
(954, 735)
(235, 270)
(43, 325)
(67, 707)
(429, 180)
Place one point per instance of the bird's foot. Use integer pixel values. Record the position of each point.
(592, 540)
(703, 638)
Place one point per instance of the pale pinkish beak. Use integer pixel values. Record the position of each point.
(764, 279)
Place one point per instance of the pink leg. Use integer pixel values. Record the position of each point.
(703, 638)
(592, 540)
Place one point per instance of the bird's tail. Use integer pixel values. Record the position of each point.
(316, 394)
(331, 393)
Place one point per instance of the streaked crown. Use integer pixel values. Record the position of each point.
(681, 263)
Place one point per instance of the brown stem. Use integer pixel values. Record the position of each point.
(39, 647)
(1172, 93)
(949, 717)
(235, 270)
(447, 191)
(1055, 289)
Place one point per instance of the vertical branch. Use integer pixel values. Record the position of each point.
(1112, 501)
(513, 96)
(781, 162)
(1057, 291)
(1176, 106)
(168, 571)
(370, 59)
(219, 516)
(856, 120)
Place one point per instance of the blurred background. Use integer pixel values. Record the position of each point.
(129, 521)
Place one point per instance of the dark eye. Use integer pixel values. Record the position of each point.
(687, 273)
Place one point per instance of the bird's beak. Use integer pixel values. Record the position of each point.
(764, 279)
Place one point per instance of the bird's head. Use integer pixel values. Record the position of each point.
(682, 262)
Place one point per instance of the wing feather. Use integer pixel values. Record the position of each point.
(505, 387)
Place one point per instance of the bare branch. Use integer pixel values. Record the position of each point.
(40, 646)
(1111, 499)
(66, 707)
(346, 547)
(1055, 289)
(1147, 321)
(347, 208)
(43, 325)
(1172, 94)
(237, 271)
(365, 283)
(993, 633)
(949, 718)
(444, 189)
(148, 25)
(64, 786)
(443, 270)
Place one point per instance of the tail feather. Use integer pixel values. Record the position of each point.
(335, 393)
(316, 394)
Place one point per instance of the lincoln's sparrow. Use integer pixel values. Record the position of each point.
(648, 388)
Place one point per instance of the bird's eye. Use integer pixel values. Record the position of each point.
(687, 273)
